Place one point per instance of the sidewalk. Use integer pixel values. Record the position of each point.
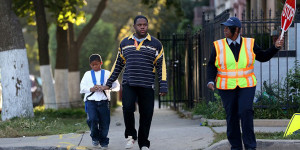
(168, 132)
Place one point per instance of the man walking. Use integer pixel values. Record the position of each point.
(142, 55)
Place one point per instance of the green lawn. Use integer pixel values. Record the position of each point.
(46, 122)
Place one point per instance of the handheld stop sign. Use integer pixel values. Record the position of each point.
(287, 15)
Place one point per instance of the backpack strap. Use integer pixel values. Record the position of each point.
(102, 76)
(93, 77)
(95, 81)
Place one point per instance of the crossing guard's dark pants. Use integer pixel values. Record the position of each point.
(145, 99)
(238, 104)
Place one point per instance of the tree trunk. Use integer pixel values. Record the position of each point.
(61, 69)
(73, 76)
(16, 86)
(75, 47)
(45, 69)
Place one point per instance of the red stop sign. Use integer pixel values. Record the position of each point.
(288, 14)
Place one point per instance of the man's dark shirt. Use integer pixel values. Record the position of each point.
(139, 64)
(261, 55)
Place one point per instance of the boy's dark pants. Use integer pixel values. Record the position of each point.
(145, 99)
(238, 104)
(99, 120)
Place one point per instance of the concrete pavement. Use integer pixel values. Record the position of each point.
(168, 132)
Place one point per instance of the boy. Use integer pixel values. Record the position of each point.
(97, 101)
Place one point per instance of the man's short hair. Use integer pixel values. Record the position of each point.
(94, 57)
(138, 17)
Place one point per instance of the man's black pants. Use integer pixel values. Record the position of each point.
(145, 99)
(238, 104)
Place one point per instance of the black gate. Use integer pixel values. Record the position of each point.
(174, 49)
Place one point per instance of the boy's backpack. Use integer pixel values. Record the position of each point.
(95, 82)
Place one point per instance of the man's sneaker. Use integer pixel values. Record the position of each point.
(130, 142)
(144, 148)
(95, 143)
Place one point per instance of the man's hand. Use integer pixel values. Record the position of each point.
(104, 88)
(162, 94)
(279, 43)
(211, 86)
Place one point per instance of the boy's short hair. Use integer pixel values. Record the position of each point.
(94, 57)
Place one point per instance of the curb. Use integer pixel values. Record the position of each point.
(257, 122)
(262, 145)
(33, 148)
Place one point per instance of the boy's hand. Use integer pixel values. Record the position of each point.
(96, 88)
(93, 89)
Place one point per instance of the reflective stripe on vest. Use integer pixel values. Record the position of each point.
(231, 73)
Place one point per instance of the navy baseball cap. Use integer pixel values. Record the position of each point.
(232, 21)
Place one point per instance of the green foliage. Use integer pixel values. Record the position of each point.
(100, 40)
(293, 81)
(279, 100)
(25, 8)
(62, 10)
(61, 113)
(46, 122)
(211, 110)
(169, 3)
(33, 59)
(66, 11)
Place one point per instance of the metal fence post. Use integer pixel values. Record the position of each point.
(175, 93)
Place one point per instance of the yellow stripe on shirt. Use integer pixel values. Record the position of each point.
(164, 70)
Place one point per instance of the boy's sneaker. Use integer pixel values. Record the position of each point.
(95, 143)
(144, 148)
(130, 142)
(104, 147)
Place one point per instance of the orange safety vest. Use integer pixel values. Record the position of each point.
(231, 73)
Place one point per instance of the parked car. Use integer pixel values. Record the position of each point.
(36, 91)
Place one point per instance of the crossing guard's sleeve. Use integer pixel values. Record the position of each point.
(161, 70)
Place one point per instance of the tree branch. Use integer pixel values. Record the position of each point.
(96, 16)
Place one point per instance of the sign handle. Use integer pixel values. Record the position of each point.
(282, 31)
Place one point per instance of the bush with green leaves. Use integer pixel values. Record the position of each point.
(211, 110)
(278, 100)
